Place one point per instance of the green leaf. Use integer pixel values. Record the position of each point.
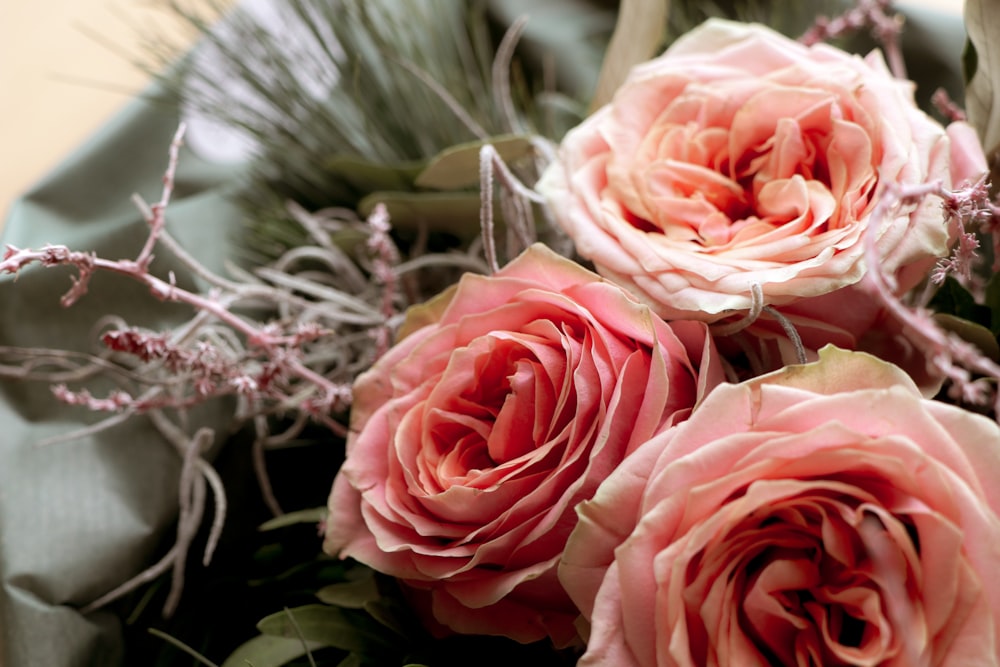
(182, 646)
(638, 34)
(267, 651)
(367, 176)
(456, 213)
(391, 615)
(352, 660)
(982, 92)
(457, 167)
(351, 594)
(330, 626)
(953, 299)
(314, 515)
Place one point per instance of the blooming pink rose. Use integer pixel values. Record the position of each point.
(474, 438)
(740, 158)
(822, 515)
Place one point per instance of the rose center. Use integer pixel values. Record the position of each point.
(808, 581)
(719, 173)
(496, 398)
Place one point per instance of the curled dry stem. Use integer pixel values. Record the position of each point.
(520, 222)
(195, 472)
(756, 306)
(303, 363)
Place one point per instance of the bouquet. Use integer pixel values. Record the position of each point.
(641, 334)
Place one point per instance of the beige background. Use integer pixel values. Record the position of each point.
(65, 69)
(66, 66)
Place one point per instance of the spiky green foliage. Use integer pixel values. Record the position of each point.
(382, 84)
(352, 92)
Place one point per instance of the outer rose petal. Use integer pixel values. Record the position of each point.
(787, 506)
(508, 401)
(968, 162)
(741, 158)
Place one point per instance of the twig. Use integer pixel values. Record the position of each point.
(301, 636)
(449, 100)
(155, 216)
(756, 306)
(486, 209)
(385, 257)
(520, 223)
(946, 106)
(221, 507)
(260, 466)
(182, 646)
(885, 24)
(149, 574)
(791, 332)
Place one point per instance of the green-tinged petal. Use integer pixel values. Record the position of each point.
(838, 371)
(425, 313)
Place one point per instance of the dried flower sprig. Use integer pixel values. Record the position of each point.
(885, 24)
(196, 472)
(969, 211)
(973, 377)
(275, 354)
(313, 347)
(330, 309)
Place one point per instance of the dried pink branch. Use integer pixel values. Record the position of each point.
(156, 214)
(946, 106)
(301, 362)
(213, 373)
(878, 16)
(386, 256)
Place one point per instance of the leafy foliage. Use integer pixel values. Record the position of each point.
(379, 88)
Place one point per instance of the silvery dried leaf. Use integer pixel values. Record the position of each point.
(982, 92)
(638, 36)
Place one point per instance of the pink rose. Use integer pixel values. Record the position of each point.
(740, 158)
(822, 515)
(473, 439)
